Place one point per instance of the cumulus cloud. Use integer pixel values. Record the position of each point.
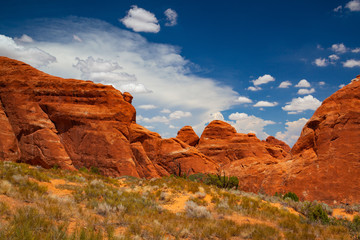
(108, 72)
(321, 62)
(285, 84)
(254, 89)
(155, 119)
(242, 99)
(156, 67)
(339, 48)
(303, 84)
(299, 105)
(141, 20)
(338, 8)
(356, 50)
(263, 80)
(353, 5)
(244, 123)
(341, 85)
(216, 116)
(292, 132)
(265, 104)
(304, 91)
(31, 55)
(334, 57)
(179, 114)
(171, 17)
(351, 63)
(147, 106)
(165, 110)
(25, 38)
(322, 83)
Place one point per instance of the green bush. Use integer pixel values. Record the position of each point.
(315, 212)
(292, 196)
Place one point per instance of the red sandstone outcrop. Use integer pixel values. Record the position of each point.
(278, 143)
(325, 163)
(50, 121)
(221, 142)
(188, 136)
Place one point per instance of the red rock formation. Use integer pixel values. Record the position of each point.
(171, 154)
(278, 143)
(325, 162)
(50, 121)
(188, 136)
(221, 142)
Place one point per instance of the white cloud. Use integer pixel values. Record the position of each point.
(77, 38)
(171, 17)
(165, 110)
(322, 83)
(140, 20)
(351, 63)
(242, 99)
(147, 106)
(179, 114)
(149, 127)
(133, 88)
(304, 91)
(263, 80)
(298, 105)
(353, 5)
(159, 67)
(265, 104)
(31, 55)
(245, 124)
(293, 130)
(251, 88)
(216, 116)
(285, 84)
(155, 119)
(338, 8)
(341, 85)
(334, 57)
(303, 84)
(356, 50)
(339, 48)
(321, 62)
(25, 39)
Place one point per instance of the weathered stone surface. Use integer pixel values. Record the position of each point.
(278, 143)
(171, 154)
(188, 136)
(66, 122)
(222, 143)
(9, 148)
(325, 163)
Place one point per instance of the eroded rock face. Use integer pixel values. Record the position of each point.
(278, 143)
(50, 121)
(64, 122)
(325, 163)
(172, 155)
(222, 143)
(188, 136)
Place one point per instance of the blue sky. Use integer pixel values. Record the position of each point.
(262, 66)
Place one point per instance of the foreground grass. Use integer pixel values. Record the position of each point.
(55, 204)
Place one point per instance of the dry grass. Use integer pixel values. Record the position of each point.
(55, 204)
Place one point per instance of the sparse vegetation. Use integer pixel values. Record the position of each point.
(36, 203)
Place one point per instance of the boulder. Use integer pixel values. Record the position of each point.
(188, 136)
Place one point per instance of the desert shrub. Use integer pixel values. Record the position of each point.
(292, 196)
(195, 211)
(94, 170)
(5, 187)
(314, 212)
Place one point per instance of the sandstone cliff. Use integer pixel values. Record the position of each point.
(50, 121)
